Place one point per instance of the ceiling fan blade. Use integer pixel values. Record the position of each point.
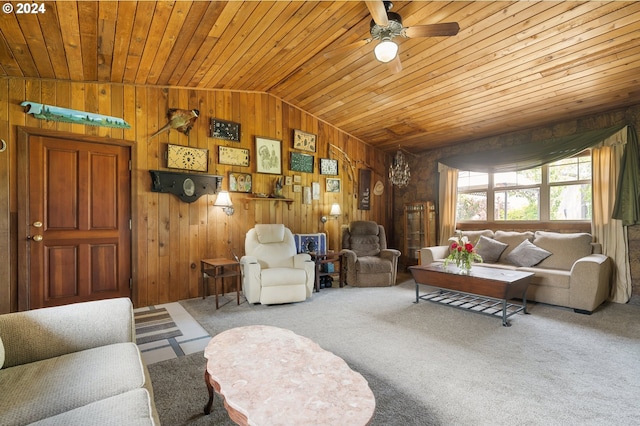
(346, 49)
(395, 65)
(378, 12)
(433, 30)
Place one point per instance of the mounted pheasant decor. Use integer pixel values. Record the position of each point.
(180, 119)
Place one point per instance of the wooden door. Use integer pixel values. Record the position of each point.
(77, 220)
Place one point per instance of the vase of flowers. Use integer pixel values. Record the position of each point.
(462, 253)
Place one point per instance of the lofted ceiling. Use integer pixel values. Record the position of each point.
(513, 65)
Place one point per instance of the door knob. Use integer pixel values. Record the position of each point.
(37, 224)
(36, 238)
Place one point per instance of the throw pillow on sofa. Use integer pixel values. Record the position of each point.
(490, 249)
(527, 254)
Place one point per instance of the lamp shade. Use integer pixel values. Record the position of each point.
(335, 210)
(223, 200)
(385, 51)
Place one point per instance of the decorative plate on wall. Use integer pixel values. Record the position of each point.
(227, 130)
(187, 158)
(301, 162)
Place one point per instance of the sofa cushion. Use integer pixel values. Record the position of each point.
(52, 386)
(566, 248)
(527, 254)
(512, 239)
(549, 277)
(131, 408)
(490, 249)
(474, 236)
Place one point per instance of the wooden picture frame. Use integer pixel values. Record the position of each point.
(187, 158)
(328, 166)
(240, 182)
(233, 156)
(268, 155)
(227, 130)
(304, 141)
(333, 185)
(301, 162)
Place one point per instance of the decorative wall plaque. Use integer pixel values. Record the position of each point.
(240, 182)
(187, 158)
(328, 166)
(301, 162)
(233, 156)
(304, 141)
(227, 130)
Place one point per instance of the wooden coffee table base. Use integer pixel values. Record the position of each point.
(268, 375)
(485, 291)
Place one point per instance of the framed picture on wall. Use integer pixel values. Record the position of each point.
(239, 182)
(268, 155)
(328, 166)
(187, 158)
(304, 141)
(233, 156)
(333, 185)
(301, 162)
(222, 129)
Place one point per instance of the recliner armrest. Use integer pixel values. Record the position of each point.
(390, 254)
(300, 259)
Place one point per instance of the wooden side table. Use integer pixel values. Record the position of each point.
(321, 259)
(219, 268)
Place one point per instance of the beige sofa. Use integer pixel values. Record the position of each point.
(572, 271)
(74, 365)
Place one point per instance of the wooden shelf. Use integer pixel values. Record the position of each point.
(289, 201)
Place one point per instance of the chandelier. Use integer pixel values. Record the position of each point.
(399, 172)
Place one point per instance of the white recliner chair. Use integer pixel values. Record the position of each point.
(272, 270)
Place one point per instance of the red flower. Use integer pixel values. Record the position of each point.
(469, 247)
(460, 248)
(454, 246)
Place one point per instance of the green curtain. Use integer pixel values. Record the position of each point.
(528, 156)
(627, 206)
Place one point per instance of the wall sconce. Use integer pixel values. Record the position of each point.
(334, 213)
(224, 200)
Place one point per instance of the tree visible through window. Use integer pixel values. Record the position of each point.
(557, 191)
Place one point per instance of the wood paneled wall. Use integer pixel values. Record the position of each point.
(169, 236)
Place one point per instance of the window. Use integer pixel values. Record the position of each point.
(556, 191)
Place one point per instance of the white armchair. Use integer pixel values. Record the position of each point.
(272, 270)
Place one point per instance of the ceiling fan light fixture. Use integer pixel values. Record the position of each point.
(386, 51)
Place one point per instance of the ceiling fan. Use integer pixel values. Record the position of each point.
(387, 25)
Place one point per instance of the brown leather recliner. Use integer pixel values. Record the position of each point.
(368, 261)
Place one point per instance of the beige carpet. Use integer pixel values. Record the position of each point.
(429, 364)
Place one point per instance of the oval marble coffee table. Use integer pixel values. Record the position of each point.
(272, 376)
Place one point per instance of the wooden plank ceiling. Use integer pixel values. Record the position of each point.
(513, 65)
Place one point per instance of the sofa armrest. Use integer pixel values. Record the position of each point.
(590, 282)
(431, 254)
(39, 334)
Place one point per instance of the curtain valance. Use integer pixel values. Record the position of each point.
(530, 155)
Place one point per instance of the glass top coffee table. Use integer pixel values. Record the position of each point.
(483, 290)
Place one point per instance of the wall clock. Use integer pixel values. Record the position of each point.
(227, 130)
(187, 158)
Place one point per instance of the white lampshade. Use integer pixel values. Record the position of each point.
(224, 200)
(385, 51)
(335, 210)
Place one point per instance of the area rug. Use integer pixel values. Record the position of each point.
(168, 331)
(154, 325)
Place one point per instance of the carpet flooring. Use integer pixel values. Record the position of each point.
(429, 364)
